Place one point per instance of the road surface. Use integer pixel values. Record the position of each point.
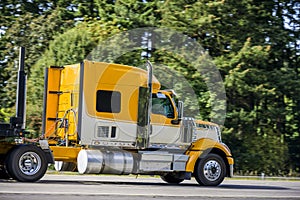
(96, 187)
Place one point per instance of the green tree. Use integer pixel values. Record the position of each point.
(70, 47)
(130, 13)
(255, 45)
(255, 51)
(34, 37)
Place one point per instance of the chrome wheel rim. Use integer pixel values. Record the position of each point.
(212, 170)
(30, 163)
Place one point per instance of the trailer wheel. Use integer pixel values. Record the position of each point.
(27, 163)
(171, 178)
(4, 174)
(210, 171)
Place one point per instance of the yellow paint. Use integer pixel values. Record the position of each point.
(63, 95)
(205, 122)
(62, 102)
(52, 101)
(67, 154)
(230, 160)
(207, 143)
(114, 77)
(199, 146)
(193, 157)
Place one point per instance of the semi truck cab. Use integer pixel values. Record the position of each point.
(105, 118)
(115, 119)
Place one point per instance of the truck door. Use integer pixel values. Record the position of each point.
(163, 113)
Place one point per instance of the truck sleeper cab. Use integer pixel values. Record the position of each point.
(114, 119)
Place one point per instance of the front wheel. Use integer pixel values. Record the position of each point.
(27, 163)
(210, 171)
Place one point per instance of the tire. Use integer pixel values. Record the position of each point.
(210, 171)
(65, 166)
(171, 178)
(27, 163)
(4, 174)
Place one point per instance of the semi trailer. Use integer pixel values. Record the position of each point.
(105, 118)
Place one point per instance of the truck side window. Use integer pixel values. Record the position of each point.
(108, 101)
(162, 105)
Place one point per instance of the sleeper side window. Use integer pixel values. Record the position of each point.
(108, 101)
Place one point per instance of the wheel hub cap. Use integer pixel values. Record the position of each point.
(30, 163)
(212, 170)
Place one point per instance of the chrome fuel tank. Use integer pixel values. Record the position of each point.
(104, 162)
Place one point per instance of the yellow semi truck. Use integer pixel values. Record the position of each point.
(104, 118)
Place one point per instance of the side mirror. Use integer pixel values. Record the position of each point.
(180, 113)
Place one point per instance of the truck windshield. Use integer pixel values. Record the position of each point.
(162, 105)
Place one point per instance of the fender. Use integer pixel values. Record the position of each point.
(202, 147)
(8, 148)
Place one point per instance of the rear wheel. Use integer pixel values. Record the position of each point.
(210, 171)
(65, 166)
(27, 163)
(171, 178)
(4, 174)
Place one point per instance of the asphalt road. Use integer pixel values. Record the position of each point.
(95, 187)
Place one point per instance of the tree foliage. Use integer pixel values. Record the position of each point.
(254, 44)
